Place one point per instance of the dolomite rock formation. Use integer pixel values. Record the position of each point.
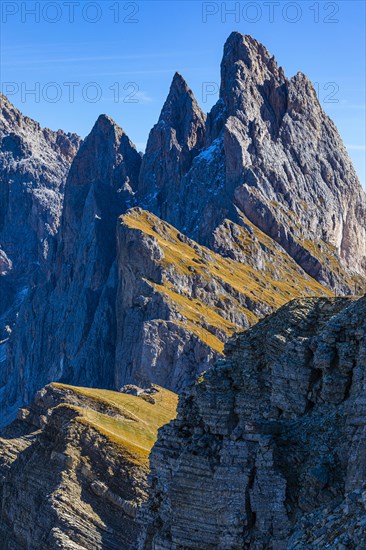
(34, 163)
(268, 449)
(273, 154)
(264, 183)
(66, 327)
(172, 145)
(160, 314)
(178, 302)
(65, 482)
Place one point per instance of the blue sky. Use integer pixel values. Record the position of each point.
(84, 58)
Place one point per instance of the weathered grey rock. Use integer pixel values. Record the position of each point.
(270, 440)
(34, 163)
(273, 154)
(235, 182)
(66, 327)
(178, 302)
(172, 145)
(66, 484)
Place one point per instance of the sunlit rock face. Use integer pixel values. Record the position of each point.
(264, 205)
(273, 154)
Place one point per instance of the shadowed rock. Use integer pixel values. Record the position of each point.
(268, 447)
(172, 145)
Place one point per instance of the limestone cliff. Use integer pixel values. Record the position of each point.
(268, 449)
(66, 327)
(34, 163)
(178, 302)
(265, 207)
(173, 143)
(272, 154)
(73, 468)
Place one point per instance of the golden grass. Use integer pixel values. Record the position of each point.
(280, 282)
(135, 426)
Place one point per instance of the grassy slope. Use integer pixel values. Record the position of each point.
(128, 421)
(279, 283)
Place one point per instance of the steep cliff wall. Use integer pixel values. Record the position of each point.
(273, 154)
(268, 449)
(178, 302)
(266, 207)
(34, 163)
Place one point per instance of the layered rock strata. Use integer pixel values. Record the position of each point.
(73, 468)
(268, 449)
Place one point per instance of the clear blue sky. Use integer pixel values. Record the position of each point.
(139, 45)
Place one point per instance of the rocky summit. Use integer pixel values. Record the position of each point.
(268, 449)
(270, 153)
(34, 163)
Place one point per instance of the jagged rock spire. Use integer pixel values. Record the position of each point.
(106, 164)
(181, 111)
(278, 147)
(173, 143)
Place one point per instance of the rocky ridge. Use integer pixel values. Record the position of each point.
(34, 163)
(233, 183)
(178, 302)
(74, 299)
(268, 448)
(161, 313)
(272, 154)
(73, 467)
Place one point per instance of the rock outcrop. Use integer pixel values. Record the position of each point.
(178, 302)
(155, 308)
(272, 154)
(173, 143)
(268, 449)
(66, 327)
(34, 163)
(266, 207)
(73, 468)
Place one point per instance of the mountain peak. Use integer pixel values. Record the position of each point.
(180, 83)
(180, 103)
(172, 145)
(245, 48)
(106, 126)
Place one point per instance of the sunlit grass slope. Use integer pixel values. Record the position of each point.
(129, 421)
(247, 288)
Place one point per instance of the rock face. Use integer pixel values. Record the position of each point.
(66, 328)
(268, 448)
(69, 478)
(273, 154)
(178, 302)
(34, 163)
(156, 308)
(173, 144)
(266, 207)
